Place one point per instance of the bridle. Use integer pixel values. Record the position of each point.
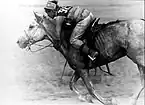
(31, 41)
(53, 40)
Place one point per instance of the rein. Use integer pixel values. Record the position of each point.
(43, 47)
(31, 40)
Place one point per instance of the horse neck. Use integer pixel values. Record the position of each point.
(50, 29)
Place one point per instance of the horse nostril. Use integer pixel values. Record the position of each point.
(18, 42)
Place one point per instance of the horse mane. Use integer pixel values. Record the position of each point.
(114, 22)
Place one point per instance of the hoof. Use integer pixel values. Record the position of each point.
(85, 98)
(132, 101)
(111, 101)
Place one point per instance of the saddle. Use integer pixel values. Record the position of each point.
(95, 27)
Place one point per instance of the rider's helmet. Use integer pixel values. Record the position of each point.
(54, 1)
(51, 5)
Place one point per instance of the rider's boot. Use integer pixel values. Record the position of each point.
(92, 54)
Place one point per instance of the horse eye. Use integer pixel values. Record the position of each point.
(31, 26)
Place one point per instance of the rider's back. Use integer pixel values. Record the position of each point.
(74, 13)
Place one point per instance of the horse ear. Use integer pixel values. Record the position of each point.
(48, 19)
(38, 18)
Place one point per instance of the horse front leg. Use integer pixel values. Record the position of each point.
(72, 84)
(84, 75)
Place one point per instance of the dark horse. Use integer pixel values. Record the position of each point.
(113, 41)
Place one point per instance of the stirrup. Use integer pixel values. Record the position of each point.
(92, 58)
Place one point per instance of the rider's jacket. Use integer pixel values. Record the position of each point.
(67, 13)
(74, 13)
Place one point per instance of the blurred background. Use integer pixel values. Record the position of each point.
(36, 76)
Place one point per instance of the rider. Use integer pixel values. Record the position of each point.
(82, 17)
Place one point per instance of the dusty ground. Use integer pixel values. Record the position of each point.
(34, 78)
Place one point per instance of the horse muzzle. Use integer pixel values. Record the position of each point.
(21, 45)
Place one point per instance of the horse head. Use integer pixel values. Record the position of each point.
(42, 28)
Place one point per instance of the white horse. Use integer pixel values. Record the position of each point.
(118, 39)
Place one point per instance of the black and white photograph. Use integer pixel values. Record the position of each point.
(72, 52)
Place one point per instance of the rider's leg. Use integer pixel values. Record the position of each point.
(77, 34)
(92, 53)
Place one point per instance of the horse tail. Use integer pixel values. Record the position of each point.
(143, 19)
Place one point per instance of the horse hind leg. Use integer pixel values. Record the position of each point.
(139, 90)
(137, 56)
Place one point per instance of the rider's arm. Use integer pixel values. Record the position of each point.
(59, 21)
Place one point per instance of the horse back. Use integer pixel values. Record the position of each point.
(114, 39)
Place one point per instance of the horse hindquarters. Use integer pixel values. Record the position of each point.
(135, 39)
(136, 48)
